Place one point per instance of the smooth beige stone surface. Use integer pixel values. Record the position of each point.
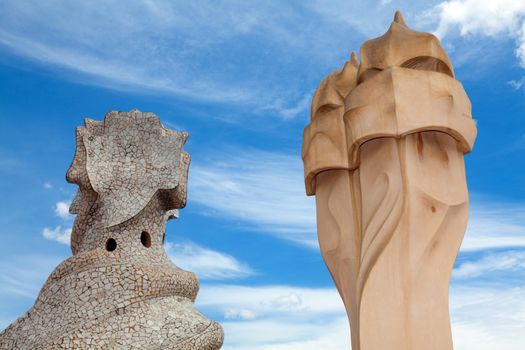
(391, 216)
(120, 290)
(327, 134)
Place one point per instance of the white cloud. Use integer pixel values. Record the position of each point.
(516, 84)
(368, 18)
(509, 261)
(287, 302)
(243, 314)
(488, 318)
(263, 190)
(279, 317)
(47, 185)
(288, 334)
(62, 210)
(520, 51)
(273, 300)
(58, 234)
(492, 18)
(301, 106)
(235, 53)
(482, 317)
(206, 263)
(266, 58)
(494, 225)
(87, 39)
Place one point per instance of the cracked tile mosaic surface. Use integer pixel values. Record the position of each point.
(119, 290)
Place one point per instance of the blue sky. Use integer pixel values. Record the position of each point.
(239, 77)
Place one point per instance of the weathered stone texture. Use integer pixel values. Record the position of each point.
(119, 289)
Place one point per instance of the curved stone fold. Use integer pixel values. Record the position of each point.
(383, 156)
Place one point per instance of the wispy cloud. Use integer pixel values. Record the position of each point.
(78, 39)
(10, 162)
(264, 190)
(278, 317)
(482, 317)
(488, 318)
(59, 234)
(234, 53)
(520, 51)
(266, 58)
(288, 334)
(301, 106)
(369, 18)
(242, 314)
(208, 264)
(273, 300)
(24, 275)
(516, 84)
(494, 224)
(505, 261)
(290, 317)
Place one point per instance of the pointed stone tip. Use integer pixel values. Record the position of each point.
(353, 59)
(398, 18)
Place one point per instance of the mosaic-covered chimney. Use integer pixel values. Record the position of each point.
(383, 156)
(120, 289)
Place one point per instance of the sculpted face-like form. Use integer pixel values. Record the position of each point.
(384, 157)
(119, 289)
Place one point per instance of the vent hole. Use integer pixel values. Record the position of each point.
(145, 239)
(111, 245)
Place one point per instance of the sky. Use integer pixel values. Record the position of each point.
(239, 77)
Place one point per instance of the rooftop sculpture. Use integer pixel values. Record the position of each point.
(119, 289)
(383, 155)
